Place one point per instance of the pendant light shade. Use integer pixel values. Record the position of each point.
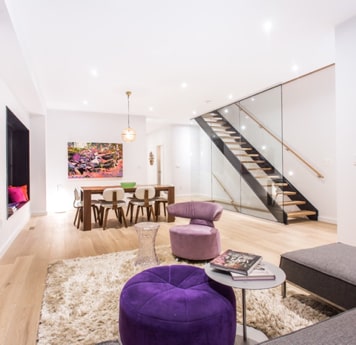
(128, 134)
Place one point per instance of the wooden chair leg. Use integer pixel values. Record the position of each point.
(76, 217)
(165, 208)
(131, 209)
(105, 218)
(96, 213)
(152, 211)
(137, 211)
(122, 216)
(101, 215)
(80, 217)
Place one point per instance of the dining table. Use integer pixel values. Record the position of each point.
(88, 191)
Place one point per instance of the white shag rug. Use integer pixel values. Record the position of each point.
(80, 302)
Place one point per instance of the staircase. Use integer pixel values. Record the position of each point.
(278, 195)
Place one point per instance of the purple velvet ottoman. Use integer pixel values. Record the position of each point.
(176, 305)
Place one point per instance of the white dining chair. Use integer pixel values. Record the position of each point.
(113, 199)
(144, 198)
(78, 205)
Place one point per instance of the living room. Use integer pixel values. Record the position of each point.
(50, 134)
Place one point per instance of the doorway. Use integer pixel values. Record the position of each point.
(159, 150)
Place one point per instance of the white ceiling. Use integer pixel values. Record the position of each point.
(218, 48)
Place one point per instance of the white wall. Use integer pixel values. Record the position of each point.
(181, 158)
(67, 126)
(38, 165)
(346, 130)
(9, 228)
(160, 137)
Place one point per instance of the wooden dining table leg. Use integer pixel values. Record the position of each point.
(170, 200)
(86, 210)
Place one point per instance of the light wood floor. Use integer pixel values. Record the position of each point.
(53, 237)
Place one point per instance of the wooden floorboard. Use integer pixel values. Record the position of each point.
(53, 237)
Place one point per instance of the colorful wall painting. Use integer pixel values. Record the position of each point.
(94, 160)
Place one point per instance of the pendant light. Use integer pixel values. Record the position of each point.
(128, 134)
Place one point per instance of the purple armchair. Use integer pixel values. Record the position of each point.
(198, 240)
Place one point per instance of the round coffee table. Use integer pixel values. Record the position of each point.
(255, 336)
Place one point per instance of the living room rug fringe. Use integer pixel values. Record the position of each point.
(80, 302)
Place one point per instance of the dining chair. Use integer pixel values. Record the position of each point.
(78, 205)
(113, 199)
(144, 198)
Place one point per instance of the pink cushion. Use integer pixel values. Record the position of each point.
(200, 212)
(16, 194)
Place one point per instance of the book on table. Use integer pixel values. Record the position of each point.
(235, 261)
(260, 272)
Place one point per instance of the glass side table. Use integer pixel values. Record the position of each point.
(146, 255)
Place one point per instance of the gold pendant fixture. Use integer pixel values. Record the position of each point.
(128, 134)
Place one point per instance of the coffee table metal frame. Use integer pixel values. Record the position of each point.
(225, 279)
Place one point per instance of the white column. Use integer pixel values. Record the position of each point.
(346, 130)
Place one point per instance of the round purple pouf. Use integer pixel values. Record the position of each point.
(176, 305)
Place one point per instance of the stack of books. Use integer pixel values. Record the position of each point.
(242, 266)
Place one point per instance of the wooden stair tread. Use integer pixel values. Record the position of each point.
(266, 176)
(303, 213)
(246, 154)
(224, 131)
(252, 161)
(264, 169)
(242, 149)
(293, 202)
(286, 193)
(219, 125)
(224, 136)
(277, 184)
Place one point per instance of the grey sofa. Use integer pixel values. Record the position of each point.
(328, 271)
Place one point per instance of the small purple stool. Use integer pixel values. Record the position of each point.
(175, 305)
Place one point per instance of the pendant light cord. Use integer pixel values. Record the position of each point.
(128, 93)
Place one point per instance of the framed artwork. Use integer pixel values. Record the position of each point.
(94, 160)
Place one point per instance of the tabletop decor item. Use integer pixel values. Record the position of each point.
(128, 184)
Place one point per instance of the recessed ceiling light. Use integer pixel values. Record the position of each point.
(85, 102)
(194, 112)
(230, 96)
(226, 110)
(252, 99)
(150, 108)
(94, 72)
(183, 85)
(267, 26)
(295, 68)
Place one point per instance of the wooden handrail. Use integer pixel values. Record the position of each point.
(233, 203)
(287, 147)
